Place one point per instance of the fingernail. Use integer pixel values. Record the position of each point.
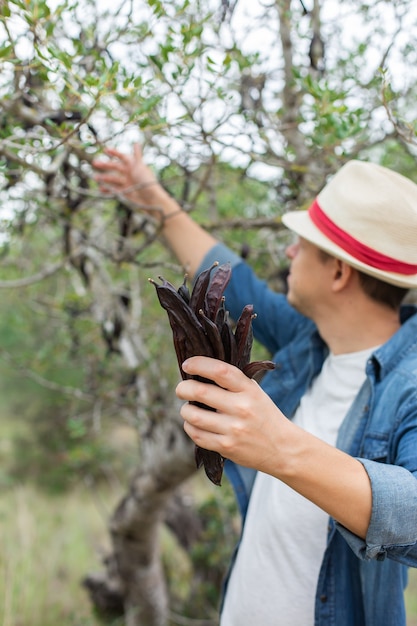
(185, 365)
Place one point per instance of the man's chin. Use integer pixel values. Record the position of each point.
(292, 300)
(290, 296)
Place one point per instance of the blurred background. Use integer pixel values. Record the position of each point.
(243, 109)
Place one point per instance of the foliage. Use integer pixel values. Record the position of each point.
(51, 352)
(240, 122)
(46, 545)
(211, 555)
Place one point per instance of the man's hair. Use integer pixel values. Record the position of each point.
(380, 291)
(377, 289)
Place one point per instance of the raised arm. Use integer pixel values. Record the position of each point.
(128, 176)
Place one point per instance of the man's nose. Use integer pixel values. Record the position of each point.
(291, 250)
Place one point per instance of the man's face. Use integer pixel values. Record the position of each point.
(308, 277)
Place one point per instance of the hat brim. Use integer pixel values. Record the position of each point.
(300, 223)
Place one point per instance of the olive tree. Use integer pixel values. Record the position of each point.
(244, 109)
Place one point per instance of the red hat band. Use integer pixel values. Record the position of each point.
(355, 248)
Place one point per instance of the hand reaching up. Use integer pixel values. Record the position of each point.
(127, 175)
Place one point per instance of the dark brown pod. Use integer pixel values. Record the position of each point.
(198, 294)
(213, 464)
(214, 295)
(252, 369)
(201, 327)
(244, 336)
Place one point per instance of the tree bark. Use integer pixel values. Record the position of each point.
(306, 172)
(134, 573)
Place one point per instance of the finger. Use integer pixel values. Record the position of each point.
(119, 161)
(109, 165)
(113, 180)
(205, 393)
(224, 374)
(113, 152)
(202, 419)
(204, 439)
(137, 152)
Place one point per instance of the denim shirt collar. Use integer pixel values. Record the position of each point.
(386, 357)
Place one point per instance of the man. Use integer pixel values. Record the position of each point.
(329, 496)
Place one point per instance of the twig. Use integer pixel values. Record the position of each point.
(189, 621)
(44, 382)
(244, 223)
(35, 278)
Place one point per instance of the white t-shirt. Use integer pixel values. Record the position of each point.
(274, 579)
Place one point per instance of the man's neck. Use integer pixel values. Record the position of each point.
(358, 328)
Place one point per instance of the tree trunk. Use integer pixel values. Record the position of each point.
(134, 573)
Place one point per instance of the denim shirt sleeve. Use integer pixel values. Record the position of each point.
(221, 253)
(392, 530)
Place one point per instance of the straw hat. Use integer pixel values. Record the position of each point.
(367, 216)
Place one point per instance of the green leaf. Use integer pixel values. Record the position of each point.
(6, 50)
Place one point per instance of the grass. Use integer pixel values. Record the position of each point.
(47, 545)
(411, 598)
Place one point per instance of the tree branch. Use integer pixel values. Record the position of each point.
(35, 278)
(44, 382)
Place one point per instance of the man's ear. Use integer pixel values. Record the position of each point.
(342, 274)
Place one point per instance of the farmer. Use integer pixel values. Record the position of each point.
(322, 454)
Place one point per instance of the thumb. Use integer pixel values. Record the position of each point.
(137, 151)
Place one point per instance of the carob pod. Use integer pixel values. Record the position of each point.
(201, 327)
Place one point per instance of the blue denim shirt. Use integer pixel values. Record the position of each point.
(361, 582)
